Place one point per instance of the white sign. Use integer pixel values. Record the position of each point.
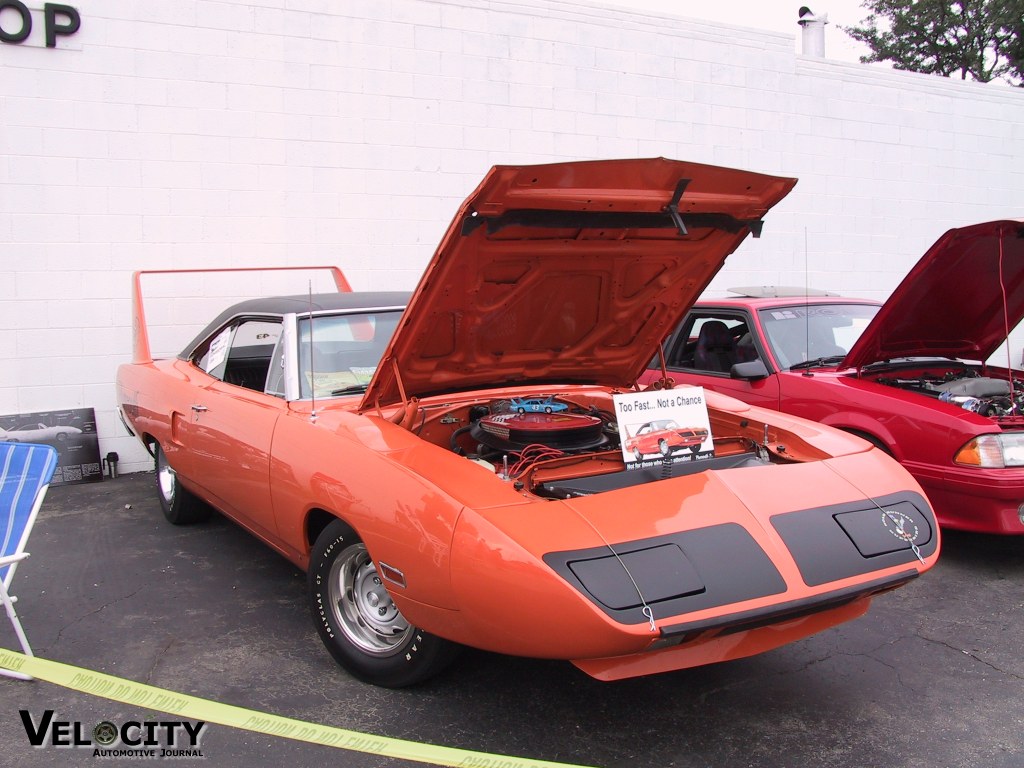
(663, 425)
(218, 351)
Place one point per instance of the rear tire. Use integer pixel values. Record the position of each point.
(179, 506)
(360, 624)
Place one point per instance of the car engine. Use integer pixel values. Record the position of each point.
(498, 429)
(966, 387)
(567, 444)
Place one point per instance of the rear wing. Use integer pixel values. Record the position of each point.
(140, 331)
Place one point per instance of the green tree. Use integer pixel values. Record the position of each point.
(977, 39)
(1013, 21)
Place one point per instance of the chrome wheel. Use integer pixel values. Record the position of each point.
(358, 621)
(362, 607)
(166, 479)
(180, 507)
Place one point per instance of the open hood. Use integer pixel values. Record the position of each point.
(951, 302)
(568, 273)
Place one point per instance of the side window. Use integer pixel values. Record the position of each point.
(212, 357)
(713, 342)
(240, 354)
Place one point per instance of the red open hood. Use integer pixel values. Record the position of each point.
(951, 302)
(568, 273)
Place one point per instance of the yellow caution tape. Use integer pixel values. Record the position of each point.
(194, 708)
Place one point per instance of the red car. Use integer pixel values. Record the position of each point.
(663, 438)
(909, 375)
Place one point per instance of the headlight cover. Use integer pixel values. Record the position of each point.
(993, 451)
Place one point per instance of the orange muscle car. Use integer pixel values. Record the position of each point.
(369, 438)
(663, 437)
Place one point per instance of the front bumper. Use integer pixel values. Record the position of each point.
(971, 499)
(717, 566)
(725, 581)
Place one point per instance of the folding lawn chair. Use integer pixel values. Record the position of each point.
(25, 473)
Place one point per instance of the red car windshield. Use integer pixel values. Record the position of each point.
(800, 333)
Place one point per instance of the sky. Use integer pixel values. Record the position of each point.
(773, 15)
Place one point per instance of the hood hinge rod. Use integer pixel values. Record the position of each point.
(673, 206)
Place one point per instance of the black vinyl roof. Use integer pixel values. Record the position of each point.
(278, 306)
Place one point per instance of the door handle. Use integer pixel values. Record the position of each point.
(199, 408)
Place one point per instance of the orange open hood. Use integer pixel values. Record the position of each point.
(568, 273)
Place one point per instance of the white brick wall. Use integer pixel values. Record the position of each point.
(176, 133)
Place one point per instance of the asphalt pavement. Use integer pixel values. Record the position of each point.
(932, 676)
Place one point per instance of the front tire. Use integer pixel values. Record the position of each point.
(358, 621)
(179, 506)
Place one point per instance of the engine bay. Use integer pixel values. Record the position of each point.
(971, 388)
(568, 444)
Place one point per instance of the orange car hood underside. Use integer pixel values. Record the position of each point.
(569, 272)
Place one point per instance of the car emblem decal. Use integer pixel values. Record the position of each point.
(900, 525)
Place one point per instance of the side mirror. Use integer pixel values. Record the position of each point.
(750, 370)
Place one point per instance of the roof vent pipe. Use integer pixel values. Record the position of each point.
(813, 32)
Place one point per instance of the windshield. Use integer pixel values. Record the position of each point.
(817, 331)
(346, 350)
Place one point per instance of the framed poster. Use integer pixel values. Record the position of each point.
(71, 432)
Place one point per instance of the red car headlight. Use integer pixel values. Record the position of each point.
(993, 451)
